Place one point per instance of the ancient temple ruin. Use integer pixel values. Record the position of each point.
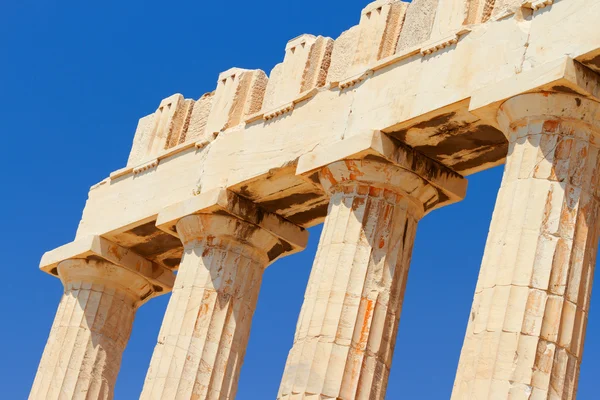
(367, 133)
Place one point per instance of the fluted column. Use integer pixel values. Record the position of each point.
(205, 331)
(347, 327)
(90, 331)
(527, 325)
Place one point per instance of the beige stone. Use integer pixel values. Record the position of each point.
(540, 256)
(410, 94)
(104, 285)
(305, 66)
(228, 242)
(417, 23)
(342, 56)
(197, 131)
(397, 99)
(450, 16)
(347, 327)
(162, 130)
(239, 94)
(90, 331)
(375, 38)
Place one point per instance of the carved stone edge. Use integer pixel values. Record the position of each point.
(376, 144)
(278, 111)
(146, 166)
(441, 43)
(160, 277)
(537, 4)
(356, 79)
(166, 154)
(564, 74)
(223, 201)
(407, 53)
(254, 117)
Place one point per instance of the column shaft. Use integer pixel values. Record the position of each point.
(347, 327)
(527, 325)
(206, 327)
(90, 331)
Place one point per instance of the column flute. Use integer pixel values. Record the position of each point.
(104, 286)
(347, 327)
(228, 242)
(527, 324)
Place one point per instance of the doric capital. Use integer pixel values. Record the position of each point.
(392, 179)
(223, 214)
(95, 260)
(99, 272)
(374, 159)
(544, 106)
(227, 232)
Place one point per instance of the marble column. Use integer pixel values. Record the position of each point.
(347, 327)
(90, 331)
(205, 331)
(527, 325)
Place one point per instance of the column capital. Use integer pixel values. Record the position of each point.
(222, 213)
(373, 158)
(96, 260)
(81, 273)
(221, 230)
(526, 108)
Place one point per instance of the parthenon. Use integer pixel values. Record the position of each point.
(367, 134)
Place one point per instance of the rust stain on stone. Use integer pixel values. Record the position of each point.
(563, 149)
(551, 125)
(366, 323)
(355, 171)
(357, 203)
(114, 251)
(374, 191)
(326, 174)
(547, 208)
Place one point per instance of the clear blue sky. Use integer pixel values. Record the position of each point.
(75, 77)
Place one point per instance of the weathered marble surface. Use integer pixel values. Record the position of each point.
(527, 325)
(411, 94)
(90, 331)
(347, 327)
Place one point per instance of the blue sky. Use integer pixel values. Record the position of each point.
(76, 76)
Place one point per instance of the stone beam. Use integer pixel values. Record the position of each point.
(378, 146)
(563, 75)
(94, 247)
(291, 238)
(421, 100)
